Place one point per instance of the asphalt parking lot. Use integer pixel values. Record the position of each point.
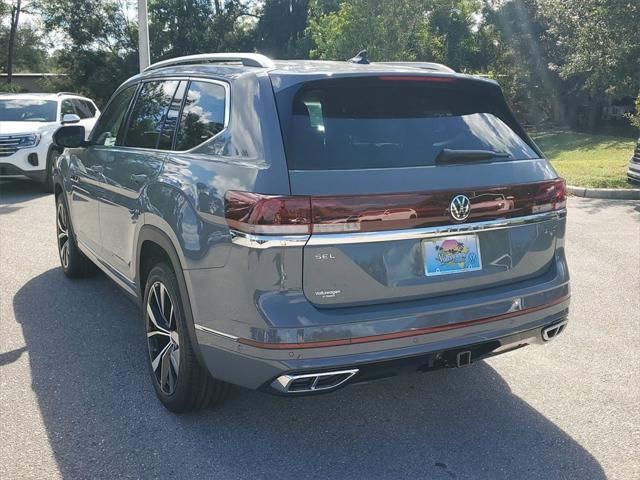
(75, 400)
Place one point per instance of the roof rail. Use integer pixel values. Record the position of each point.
(438, 67)
(247, 59)
(69, 93)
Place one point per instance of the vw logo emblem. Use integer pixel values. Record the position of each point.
(460, 208)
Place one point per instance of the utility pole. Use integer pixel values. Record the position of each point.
(143, 35)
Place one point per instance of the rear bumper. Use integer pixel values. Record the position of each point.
(257, 368)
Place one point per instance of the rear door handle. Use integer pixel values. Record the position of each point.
(139, 178)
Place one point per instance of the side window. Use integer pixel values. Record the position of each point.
(67, 108)
(171, 119)
(91, 108)
(202, 115)
(81, 109)
(147, 117)
(108, 125)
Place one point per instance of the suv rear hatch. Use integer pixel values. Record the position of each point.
(380, 159)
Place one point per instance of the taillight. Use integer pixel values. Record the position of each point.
(551, 196)
(277, 215)
(267, 214)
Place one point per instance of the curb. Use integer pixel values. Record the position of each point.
(611, 193)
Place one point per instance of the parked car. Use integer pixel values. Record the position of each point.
(238, 200)
(27, 124)
(633, 173)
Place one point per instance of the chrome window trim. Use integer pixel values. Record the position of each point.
(188, 79)
(270, 241)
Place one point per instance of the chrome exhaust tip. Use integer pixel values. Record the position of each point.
(552, 331)
(312, 382)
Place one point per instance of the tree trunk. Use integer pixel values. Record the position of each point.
(15, 17)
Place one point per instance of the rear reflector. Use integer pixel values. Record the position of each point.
(278, 215)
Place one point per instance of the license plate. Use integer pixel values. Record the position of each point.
(445, 255)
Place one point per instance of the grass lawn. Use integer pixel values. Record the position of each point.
(587, 160)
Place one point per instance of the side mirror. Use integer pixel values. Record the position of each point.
(71, 136)
(70, 118)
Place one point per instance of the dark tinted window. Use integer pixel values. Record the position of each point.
(171, 119)
(66, 108)
(91, 108)
(81, 109)
(202, 115)
(378, 123)
(148, 114)
(110, 122)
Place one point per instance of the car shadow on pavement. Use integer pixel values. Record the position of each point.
(87, 359)
(18, 190)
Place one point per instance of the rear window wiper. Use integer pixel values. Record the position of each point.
(462, 156)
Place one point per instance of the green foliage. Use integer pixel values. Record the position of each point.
(596, 43)
(99, 45)
(10, 88)
(280, 32)
(30, 50)
(186, 27)
(555, 59)
(634, 118)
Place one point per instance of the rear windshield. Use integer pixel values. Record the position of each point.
(381, 122)
(27, 110)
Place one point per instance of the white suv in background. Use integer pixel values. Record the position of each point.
(27, 124)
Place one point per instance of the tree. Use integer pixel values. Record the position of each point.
(595, 47)
(15, 10)
(99, 47)
(518, 57)
(186, 27)
(280, 32)
(30, 54)
(431, 30)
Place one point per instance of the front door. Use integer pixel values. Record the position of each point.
(86, 170)
(132, 165)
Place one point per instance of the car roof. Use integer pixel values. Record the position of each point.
(232, 70)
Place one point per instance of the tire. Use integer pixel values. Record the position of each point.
(181, 383)
(74, 263)
(47, 184)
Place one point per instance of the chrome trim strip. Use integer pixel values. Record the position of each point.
(215, 332)
(267, 241)
(440, 231)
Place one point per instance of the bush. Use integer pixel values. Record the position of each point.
(634, 118)
(11, 88)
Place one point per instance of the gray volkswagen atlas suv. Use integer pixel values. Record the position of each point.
(297, 226)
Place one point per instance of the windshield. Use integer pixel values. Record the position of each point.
(27, 110)
(382, 122)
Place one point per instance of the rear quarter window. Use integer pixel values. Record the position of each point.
(379, 122)
(203, 114)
